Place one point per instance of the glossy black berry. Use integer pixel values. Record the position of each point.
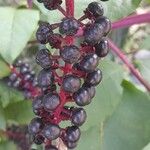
(55, 40)
(94, 78)
(70, 54)
(93, 33)
(72, 134)
(82, 97)
(89, 62)
(102, 48)
(35, 126)
(37, 105)
(38, 139)
(43, 58)
(91, 90)
(71, 83)
(51, 101)
(105, 22)
(17, 83)
(71, 145)
(24, 69)
(43, 32)
(51, 132)
(45, 78)
(13, 77)
(78, 116)
(68, 26)
(96, 9)
(50, 147)
(52, 4)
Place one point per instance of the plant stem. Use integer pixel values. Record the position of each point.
(131, 20)
(132, 69)
(30, 3)
(70, 8)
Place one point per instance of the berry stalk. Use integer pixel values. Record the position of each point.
(131, 20)
(134, 71)
(70, 8)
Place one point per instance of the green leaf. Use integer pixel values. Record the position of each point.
(108, 94)
(90, 139)
(145, 69)
(16, 28)
(4, 69)
(145, 43)
(9, 95)
(147, 147)
(7, 145)
(20, 112)
(2, 118)
(129, 126)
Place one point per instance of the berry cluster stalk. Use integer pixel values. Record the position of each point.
(120, 54)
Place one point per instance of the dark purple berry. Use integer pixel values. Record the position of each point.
(71, 145)
(51, 132)
(93, 33)
(94, 78)
(72, 134)
(91, 90)
(52, 4)
(51, 101)
(45, 78)
(18, 63)
(38, 139)
(105, 23)
(24, 69)
(12, 77)
(28, 77)
(82, 97)
(55, 40)
(35, 126)
(68, 26)
(102, 48)
(27, 94)
(37, 105)
(70, 54)
(43, 58)
(89, 62)
(78, 116)
(96, 9)
(43, 32)
(71, 83)
(17, 83)
(50, 147)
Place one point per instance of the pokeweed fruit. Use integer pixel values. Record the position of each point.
(23, 78)
(69, 75)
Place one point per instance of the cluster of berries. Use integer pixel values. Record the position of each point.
(69, 75)
(23, 79)
(20, 136)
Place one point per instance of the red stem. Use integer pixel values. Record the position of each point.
(133, 70)
(70, 8)
(131, 20)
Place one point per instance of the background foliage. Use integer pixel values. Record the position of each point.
(119, 117)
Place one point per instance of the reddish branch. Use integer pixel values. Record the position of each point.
(134, 71)
(131, 20)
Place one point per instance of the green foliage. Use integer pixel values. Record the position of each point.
(2, 118)
(16, 28)
(20, 112)
(4, 69)
(9, 95)
(129, 126)
(7, 145)
(108, 94)
(145, 43)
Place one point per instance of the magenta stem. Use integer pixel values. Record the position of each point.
(132, 69)
(70, 8)
(131, 20)
(30, 3)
